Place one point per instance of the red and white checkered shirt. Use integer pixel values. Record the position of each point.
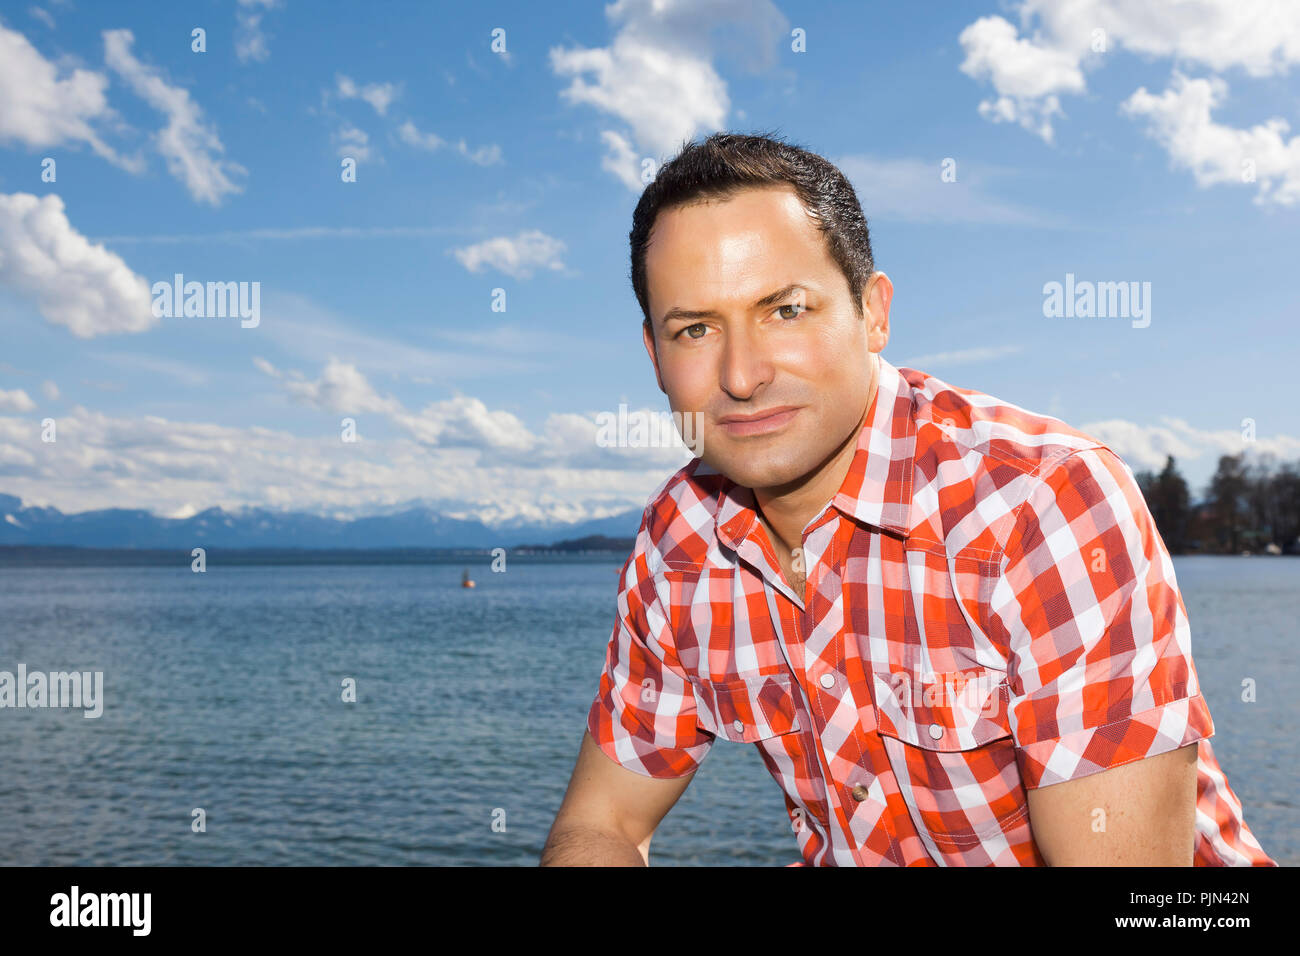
(989, 609)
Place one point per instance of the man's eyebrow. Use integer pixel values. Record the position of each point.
(772, 298)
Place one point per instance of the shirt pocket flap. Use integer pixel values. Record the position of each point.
(747, 709)
(961, 710)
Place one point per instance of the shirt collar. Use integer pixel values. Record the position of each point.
(877, 490)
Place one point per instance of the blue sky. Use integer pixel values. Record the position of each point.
(480, 169)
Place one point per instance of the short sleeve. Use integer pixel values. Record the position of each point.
(644, 715)
(1100, 663)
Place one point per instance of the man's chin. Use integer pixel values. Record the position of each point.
(749, 474)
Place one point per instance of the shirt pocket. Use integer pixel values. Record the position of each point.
(950, 747)
(747, 709)
(714, 643)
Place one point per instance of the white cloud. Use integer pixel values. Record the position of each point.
(167, 466)
(378, 95)
(566, 440)
(340, 388)
(38, 13)
(621, 160)
(657, 75)
(264, 366)
(250, 41)
(1030, 73)
(76, 284)
(1179, 120)
(15, 401)
(353, 143)
(483, 156)
(664, 95)
(1145, 446)
(518, 256)
(38, 108)
(50, 390)
(1262, 37)
(190, 146)
(467, 422)
(1027, 76)
(410, 134)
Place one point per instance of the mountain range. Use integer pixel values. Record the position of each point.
(417, 527)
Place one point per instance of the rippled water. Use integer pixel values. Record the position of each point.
(223, 691)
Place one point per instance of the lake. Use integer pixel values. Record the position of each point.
(223, 691)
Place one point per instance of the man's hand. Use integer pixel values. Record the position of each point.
(1140, 814)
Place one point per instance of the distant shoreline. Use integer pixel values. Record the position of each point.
(58, 555)
(12, 556)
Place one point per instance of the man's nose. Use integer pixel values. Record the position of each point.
(745, 364)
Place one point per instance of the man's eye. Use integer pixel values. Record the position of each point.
(792, 305)
(697, 325)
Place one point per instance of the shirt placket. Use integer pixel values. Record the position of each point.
(854, 792)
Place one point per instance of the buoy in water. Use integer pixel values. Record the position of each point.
(465, 581)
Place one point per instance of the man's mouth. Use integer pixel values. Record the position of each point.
(759, 423)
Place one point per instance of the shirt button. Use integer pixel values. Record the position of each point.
(936, 731)
(739, 725)
(828, 681)
(859, 793)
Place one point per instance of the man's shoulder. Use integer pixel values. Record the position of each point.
(677, 523)
(986, 426)
(979, 457)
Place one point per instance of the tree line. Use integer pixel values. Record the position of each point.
(1248, 505)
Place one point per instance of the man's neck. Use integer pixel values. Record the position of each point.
(785, 510)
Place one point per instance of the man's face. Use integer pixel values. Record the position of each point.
(743, 352)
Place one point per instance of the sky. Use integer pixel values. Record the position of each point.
(432, 203)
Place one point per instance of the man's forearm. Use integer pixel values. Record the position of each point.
(585, 846)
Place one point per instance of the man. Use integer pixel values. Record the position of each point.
(948, 624)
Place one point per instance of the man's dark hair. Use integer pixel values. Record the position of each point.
(724, 164)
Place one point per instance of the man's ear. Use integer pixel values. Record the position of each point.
(648, 338)
(876, 299)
